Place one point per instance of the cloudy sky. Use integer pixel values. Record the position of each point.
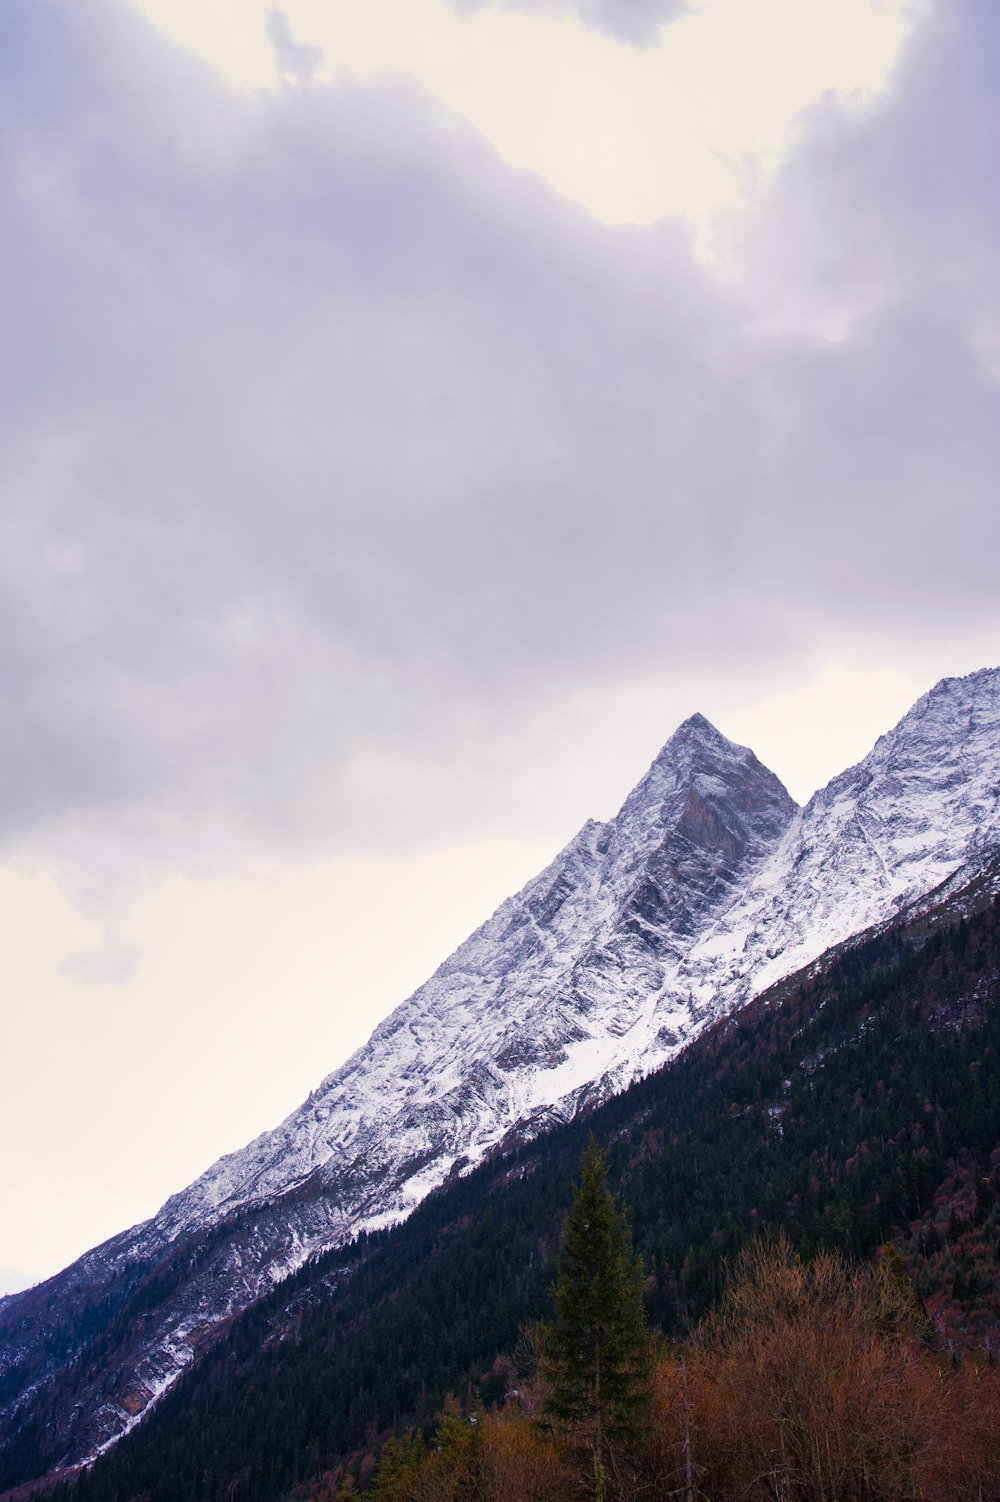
(411, 410)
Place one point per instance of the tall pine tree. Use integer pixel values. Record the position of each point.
(597, 1354)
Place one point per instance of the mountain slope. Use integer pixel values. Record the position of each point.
(833, 1108)
(708, 886)
(537, 1005)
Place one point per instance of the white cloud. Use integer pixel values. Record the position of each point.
(340, 461)
(360, 495)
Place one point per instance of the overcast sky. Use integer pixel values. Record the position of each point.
(411, 410)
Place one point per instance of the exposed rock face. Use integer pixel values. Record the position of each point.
(708, 886)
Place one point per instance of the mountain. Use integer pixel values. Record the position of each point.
(851, 1106)
(707, 887)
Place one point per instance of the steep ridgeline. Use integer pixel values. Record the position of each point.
(707, 887)
(568, 982)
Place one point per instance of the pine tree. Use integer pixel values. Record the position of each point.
(597, 1354)
(399, 1466)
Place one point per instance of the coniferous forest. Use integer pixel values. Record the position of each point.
(813, 1192)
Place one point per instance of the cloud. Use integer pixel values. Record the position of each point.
(296, 61)
(337, 457)
(887, 208)
(636, 22)
(112, 963)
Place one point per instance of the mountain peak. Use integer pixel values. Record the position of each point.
(698, 756)
(697, 723)
(696, 729)
(698, 824)
(959, 702)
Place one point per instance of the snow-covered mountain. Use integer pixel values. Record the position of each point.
(707, 887)
(567, 981)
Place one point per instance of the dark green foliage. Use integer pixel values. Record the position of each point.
(834, 1109)
(596, 1355)
(399, 1463)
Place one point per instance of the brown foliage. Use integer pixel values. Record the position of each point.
(518, 1464)
(811, 1383)
(812, 1386)
(492, 1457)
(800, 1395)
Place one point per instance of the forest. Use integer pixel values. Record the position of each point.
(811, 1381)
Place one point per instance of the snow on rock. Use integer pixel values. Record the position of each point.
(567, 982)
(709, 885)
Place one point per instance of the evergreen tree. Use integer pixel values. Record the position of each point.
(597, 1354)
(399, 1467)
